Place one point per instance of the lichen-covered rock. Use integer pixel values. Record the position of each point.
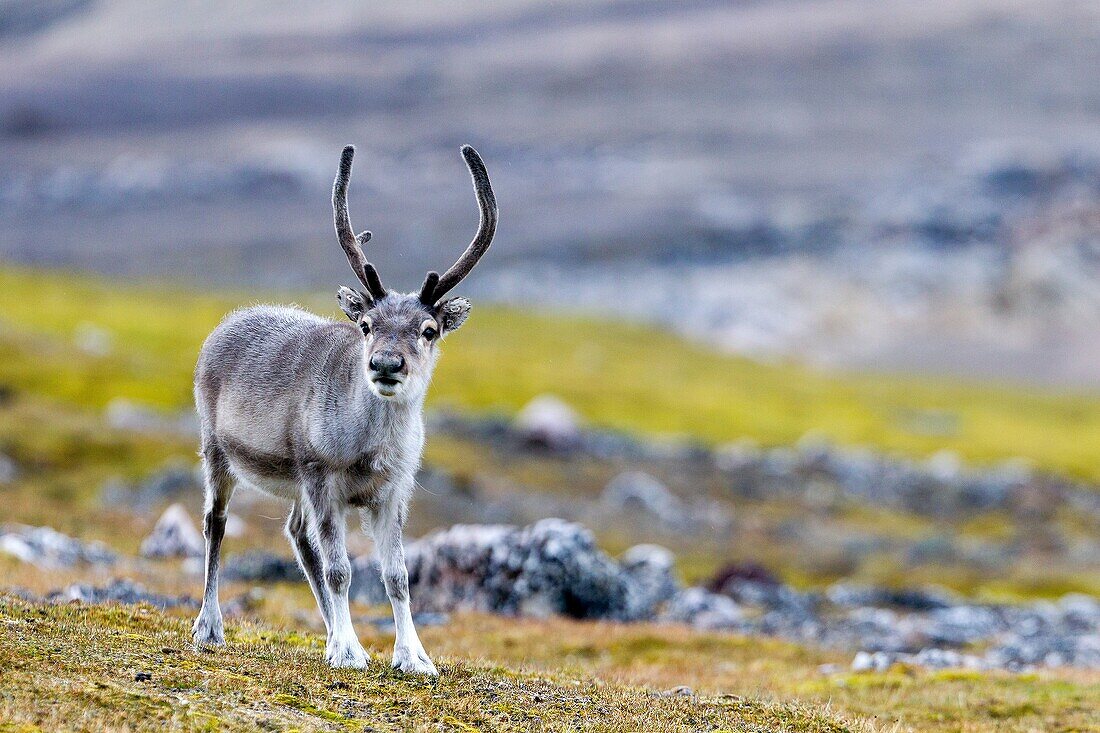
(550, 567)
(174, 535)
(652, 568)
(703, 610)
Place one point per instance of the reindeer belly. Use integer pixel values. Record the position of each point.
(268, 472)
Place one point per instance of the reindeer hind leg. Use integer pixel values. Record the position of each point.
(218, 487)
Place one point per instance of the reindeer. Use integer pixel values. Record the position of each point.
(329, 416)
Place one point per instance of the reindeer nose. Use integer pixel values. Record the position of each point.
(383, 363)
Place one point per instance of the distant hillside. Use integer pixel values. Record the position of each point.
(202, 138)
(140, 342)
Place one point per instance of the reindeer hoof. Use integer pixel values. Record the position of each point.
(413, 661)
(346, 656)
(208, 631)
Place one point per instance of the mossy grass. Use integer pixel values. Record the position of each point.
(630, 377)
(132, 668)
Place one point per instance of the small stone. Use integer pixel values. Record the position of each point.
(678, 691)
(548, 422)
(143, 677)
(174, 535)
(638, 491)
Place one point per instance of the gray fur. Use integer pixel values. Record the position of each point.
(287, 405)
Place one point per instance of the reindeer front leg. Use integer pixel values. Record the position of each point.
(327, 525)
(386, 524)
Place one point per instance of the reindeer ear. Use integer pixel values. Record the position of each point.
(452, 313)
(352, 302)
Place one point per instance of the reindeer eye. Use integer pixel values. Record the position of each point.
(365, 326)
(430, 333)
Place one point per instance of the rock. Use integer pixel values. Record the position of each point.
(548, 422)
(550, 567)
(703, 610)
(119, 591)
(48, 548)
(872, 662)
(961, 625)
(653, 570)
(737, 456)
(932, 658)
(174, 535)
(909, 599)
(256, 566)
(636, 491)
(143, 677)
(366, 581)
(746, 571)
(678, 691)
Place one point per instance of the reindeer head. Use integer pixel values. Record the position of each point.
(401, 331)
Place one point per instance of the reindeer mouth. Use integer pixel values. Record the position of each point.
(386, 386)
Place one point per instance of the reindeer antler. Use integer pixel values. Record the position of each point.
(352, 244)
(436, 286)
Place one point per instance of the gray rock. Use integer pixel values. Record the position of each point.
(119, 591)
(703, 610)
(910, 599)
(653, 569)
(637, 491)
(366, 581)
(550, 567)
(258, 566)
(48, 548)
(174, 535)
(548, 422)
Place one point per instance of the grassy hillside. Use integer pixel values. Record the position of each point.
(617, 375)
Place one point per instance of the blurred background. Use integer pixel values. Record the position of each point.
(805, 291)
(864, 184)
